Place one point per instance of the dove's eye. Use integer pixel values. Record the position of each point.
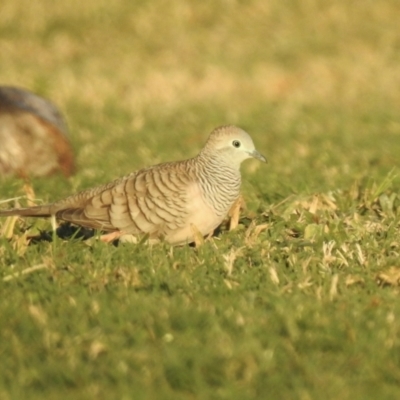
(236, 143)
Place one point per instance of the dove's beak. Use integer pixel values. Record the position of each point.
(258, 156)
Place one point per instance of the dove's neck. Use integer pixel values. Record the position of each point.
(219, 182)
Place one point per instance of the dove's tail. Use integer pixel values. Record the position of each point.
(38, 211)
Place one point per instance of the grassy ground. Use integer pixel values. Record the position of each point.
(301, 300)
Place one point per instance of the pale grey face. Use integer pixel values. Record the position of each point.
(234, 145)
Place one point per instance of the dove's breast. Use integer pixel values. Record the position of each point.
(200, 216)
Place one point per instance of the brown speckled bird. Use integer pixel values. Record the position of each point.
(174, 201)
(33, 136)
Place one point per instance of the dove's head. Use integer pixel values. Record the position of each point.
(232, 145)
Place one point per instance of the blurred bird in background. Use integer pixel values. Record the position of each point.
(33, 136)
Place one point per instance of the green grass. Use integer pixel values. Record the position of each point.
(301, 300)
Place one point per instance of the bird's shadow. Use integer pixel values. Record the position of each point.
(65, 231)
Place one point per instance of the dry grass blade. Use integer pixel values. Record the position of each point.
(197, 236)
(25, 272)
(230, 259)
(333, 291)
(30, 194)
(7, 230)
(273, 275)
(390, 277)
(12, 199)
(234, 213)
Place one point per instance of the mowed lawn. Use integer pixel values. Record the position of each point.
(301, 300)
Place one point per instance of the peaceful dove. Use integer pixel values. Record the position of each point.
(174, 201)
(33, 135)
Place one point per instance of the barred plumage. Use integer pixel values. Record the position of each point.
(166, 200)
